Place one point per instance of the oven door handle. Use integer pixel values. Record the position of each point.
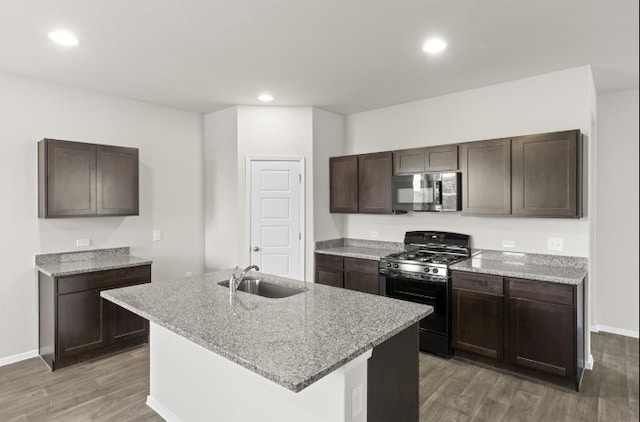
(431, 300)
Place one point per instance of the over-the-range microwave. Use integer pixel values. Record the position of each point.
(428, 192)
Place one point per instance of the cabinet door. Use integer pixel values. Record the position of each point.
(545, 175)
(541, 336)
(478, 314)
(343, 183)
(67, 178)
(117, 180)
(441, 158)
(541, 327)
(375, 173)
(478, 323)
(81, 323)
(125, 325)
(361, 282)
(486, 168)
(329, 276)
(408, 161)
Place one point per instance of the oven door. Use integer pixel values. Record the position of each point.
(432, 293)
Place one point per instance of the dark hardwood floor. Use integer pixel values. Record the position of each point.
(115, 389)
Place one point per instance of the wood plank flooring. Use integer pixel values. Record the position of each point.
(115, 389)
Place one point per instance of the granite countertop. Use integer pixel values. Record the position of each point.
(70, 263)
(552, 268)
(358, 248)
(291, 341)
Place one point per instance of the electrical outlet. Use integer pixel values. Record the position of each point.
(373, 234)
(508, 244)
(157, 235)
(83, 242)
(357, 401)
(555, 243)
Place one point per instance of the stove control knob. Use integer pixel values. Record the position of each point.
(426, 270)
(388, 264)
(395, 265)
(435, 271)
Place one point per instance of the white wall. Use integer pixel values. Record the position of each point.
(328, 141)
(617, 209)
(222, 226)
(277, 131)
(544, 103)
(171, 186)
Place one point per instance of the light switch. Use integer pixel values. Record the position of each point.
(157, 235)
(357, 401)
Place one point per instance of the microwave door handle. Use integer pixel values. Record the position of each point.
(438, 192)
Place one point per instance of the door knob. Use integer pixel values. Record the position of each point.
(255, 249)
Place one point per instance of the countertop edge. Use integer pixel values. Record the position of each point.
(295, 387)
(93, 270)
(521, 275)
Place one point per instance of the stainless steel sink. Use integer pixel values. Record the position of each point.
(264, 288)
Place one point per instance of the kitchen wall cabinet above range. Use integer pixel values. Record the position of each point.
(534, 175)
(361, 183)
(420, 160)
(77, 179)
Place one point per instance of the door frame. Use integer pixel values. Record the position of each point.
(247, 240)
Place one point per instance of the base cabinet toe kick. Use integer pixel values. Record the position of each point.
(526, 326)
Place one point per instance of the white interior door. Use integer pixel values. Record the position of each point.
(276, 233)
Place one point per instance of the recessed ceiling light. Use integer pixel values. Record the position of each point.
(63, 38)
(434, 46)
(265, 97)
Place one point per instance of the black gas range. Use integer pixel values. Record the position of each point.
(421, 274)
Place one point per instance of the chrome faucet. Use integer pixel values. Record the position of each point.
(235, 281)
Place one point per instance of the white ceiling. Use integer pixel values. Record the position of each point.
(341, 55)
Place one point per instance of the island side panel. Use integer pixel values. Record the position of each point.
(191, 383)
(393, 379)
(46, 315)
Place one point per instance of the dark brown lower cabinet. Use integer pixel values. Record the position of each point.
(393, 379)
(76, 324)
(528, 326)
(361, 275)
(351, 273)
(477, 309)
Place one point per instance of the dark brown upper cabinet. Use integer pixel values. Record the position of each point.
(343, 182)
(442, 158)
(486, 168)
(408, 161)
(419, 160)
(77, 179)
(545, 175)
(374, 192)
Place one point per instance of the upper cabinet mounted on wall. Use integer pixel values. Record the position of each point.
(77, 179)
(530, 176)
(420, 160)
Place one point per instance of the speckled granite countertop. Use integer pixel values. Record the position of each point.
(552, 268)
(292, 341)
(69, 263)
(358, 248)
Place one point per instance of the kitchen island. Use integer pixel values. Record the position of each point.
(325, 354)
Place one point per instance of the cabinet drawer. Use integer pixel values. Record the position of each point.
(542, 291)
(366, 266)
(482, 283)
(103, 279)
(331, 261)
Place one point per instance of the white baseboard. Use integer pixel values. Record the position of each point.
(614, 330)
(17, 358)
(589, 363)
(159, 408)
